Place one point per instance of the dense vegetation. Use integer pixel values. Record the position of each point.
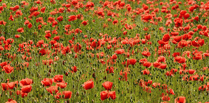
(126, 51)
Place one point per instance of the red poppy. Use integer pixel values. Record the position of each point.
(17, 36)
(85, 23)
(132, 61)
(60, 18)
(197, 56)
(147, 64)
(58, 78)
(11, 85)
(112, 94)
(162, 66)
(202, 88)
(8, 69)
(146, 53)
(166, 37)
(124, 75)
(74, 68)
(72, 18)
(26, 81)
(11, 18)
(170, 91)
(161, 59)
(67, 94)
(20, 30)
(178, 22)
(42, 51)
(180, 99)
(166, 98)
(191, 71)
(4, 86)
(104, 95)
(10, 100)
(156, 64)
(30, 25)
(110, 70)
(141, 61)
(52, 89)
(23, 94)
(56, 38)
(26, 89)
(114, 56)
(120, 51)
(145, 72)
(77, 47)
(46, 82)
(62, 84)
(88, 85)
(107, 85)
(154, 85)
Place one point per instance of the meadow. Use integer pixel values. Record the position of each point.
(107, 51)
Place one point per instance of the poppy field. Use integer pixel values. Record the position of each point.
(104, 51)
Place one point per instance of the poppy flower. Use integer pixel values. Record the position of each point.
(4, 86)
(77, 47)
(146, 53)
(156, 64)
(62, 85)
(46, 82)
(56, 38)
(72, 18)
(107, 85)
(120, 51)
(202, 88)
(166, 37)
(112, 95)
(166, 98)
(20, 30)
(85, 23)
(180, 99)
(10, 100)
(26, 89)
(145, 72)
(88, 85)
(11, 85)
(147, 64)
(170, 91)
(154, 85)
(8, 69)
(178, 22)
(114, 56)
(23, 94)
(124, 75)
(132, 61)
(197, 56)
(30, 25)
(52, 89)
(191, 71)
(58, 95)
(110, 70)
(162, 66)
(141, 61)
(161, 59)
(17, 36)
(26, 81)
(104, 95)
(74, 69)
(67, 94)
(58, 78)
